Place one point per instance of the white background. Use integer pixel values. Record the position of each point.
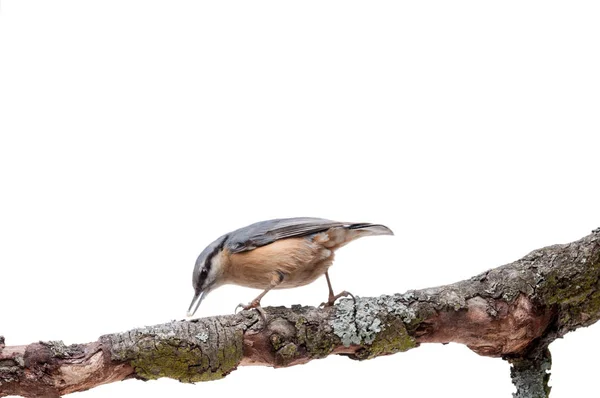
(133, 133)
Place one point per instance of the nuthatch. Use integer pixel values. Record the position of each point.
(275, 254)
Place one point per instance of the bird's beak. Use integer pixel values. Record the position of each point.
(198, 297)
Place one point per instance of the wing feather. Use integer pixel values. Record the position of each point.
(265, 232)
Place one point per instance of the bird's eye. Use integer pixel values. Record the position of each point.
(204, 271)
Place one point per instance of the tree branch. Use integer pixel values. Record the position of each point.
(513, 311)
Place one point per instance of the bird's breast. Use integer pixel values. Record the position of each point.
(300, 260)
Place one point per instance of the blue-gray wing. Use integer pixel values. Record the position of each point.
(265, 232)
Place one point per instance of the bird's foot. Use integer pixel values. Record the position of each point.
(332, 299)
(254, 304)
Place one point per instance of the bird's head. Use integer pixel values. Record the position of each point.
(208, 272)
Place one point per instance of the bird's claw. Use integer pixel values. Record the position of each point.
(245, 307)
(332, 299)
(253, 305)
(240, 305)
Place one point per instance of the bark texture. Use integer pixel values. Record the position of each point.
(513, 312)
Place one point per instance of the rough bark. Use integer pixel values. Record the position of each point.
(513, 312)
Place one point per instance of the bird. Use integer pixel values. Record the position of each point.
(275, 254)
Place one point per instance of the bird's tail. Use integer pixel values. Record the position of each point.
(368, 229)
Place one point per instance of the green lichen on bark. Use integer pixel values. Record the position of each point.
(408, 308)
(377, 324)
(287, 353)
(572, 282)
(179, 360)
(186, 351)
(531, 374)
(358, 322)
(174, 359)
(391, 339)
(300, 333)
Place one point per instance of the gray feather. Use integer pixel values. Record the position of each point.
(266, 232)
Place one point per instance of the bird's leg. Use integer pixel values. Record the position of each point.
(334, 297)
(275, 281)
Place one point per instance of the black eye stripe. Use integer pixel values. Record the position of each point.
(208, 261)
